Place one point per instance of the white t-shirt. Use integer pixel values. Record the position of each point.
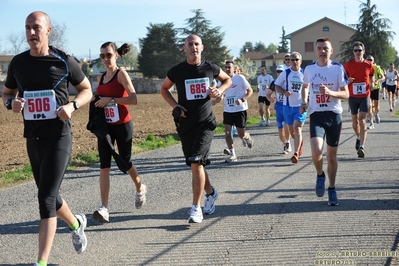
(264, 84)
(391, 75)
(292, 81)
(237, 90)
(332, 76)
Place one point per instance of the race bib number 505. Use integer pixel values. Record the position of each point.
(40, 105)
(197, 89)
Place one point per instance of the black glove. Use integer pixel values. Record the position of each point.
(176, 113)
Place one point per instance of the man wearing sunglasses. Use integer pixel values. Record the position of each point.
(361, 83)
(287, 61)
(290, 83)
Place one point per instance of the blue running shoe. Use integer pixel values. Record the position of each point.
(320, 185)
(332, 197)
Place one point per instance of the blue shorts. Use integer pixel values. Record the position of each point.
(292, 113)
(279, 114)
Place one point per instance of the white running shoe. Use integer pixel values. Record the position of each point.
(79, 239)
(226, 151)
(140, 197)
(209, 205)
(267, 122)
(231, 159)
(262, 122)
(195, 215)
(249, 141)
(101, 214)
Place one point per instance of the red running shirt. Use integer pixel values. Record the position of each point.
(361, 71)
(114, 89)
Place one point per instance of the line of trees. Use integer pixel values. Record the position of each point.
(161, 48)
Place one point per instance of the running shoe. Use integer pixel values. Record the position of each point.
(370, 126)
(295, 158)
(360, 152)
(79, 239)
(249, 141)
(226, 151)
(332, 197)
(285, 149)
(267, 122)
(244, 143)
(101, 214)
(357, 145)
(140, 197)
(231, 159)
(209, 205)
(262, 122)
(320, 185)
(300, 149)
(195, 215)
(377, 118)
(288, 146)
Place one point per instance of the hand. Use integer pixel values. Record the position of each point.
(102, 102)
(18, 105)
(324, 90)
(214, 93)
(65, 112)
(351, 79)
(303, 109)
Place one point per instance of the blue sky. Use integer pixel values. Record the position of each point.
(92, 22)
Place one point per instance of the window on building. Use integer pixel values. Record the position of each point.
(326, 28)
(309, 47)
(263, 63)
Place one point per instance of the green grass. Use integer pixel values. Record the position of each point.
(16, 176)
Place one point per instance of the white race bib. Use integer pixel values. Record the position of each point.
(359, 88)
(197, 89)
(40, 105)
(111, 113)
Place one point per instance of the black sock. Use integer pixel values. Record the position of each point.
(331, 188)
(322, 174)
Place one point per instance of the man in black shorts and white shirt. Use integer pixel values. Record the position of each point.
(264, 80)
(235, 110)
(194, 118)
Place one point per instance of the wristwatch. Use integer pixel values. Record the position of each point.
(113, 101)
(242, 99)
(8, 103)
(75, 105)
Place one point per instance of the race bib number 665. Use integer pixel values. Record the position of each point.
(197, 89)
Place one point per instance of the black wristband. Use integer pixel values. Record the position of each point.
(242, 99)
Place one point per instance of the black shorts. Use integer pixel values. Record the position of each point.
(391, 88)
(196, 141)
(359, 104)
(239, 119)
(264, 100)
(375, 95)
(327, 125)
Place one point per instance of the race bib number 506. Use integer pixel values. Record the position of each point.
(197, 89)
(40, 105)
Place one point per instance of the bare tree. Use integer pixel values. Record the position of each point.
(56, 39)
(18, 42)
(57, 36)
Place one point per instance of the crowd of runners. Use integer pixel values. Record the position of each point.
(37, 86)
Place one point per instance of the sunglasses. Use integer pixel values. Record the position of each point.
(357, 50)
(295, 59)
(107, 55)
(369, 59)
(287, 59)
(279, 71)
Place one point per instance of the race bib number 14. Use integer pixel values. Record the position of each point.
(197, 89)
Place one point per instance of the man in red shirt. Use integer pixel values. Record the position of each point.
(361, 81)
